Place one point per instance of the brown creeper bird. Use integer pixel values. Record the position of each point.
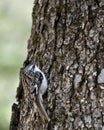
(39, 85)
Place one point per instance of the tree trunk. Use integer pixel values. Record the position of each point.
(67, 41)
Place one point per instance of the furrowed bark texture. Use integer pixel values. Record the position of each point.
(67, 40)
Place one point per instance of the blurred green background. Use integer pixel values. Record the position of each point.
(15, 28)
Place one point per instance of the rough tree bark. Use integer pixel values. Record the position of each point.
(67, 40)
